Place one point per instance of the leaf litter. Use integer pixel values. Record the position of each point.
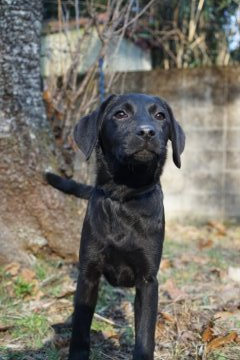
(199, 303)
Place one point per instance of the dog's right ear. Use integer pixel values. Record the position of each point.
(87, 129)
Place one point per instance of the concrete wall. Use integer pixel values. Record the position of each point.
(57, 48)
(206, 102)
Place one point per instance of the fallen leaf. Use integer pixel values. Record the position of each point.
(222, 340)
(174, 292)
(12, 269)
(234, 273)
(110, 334)
(165, 264)
(168, 317)
(221, 229)
(207, 334)
(205, 244)
(27, 274)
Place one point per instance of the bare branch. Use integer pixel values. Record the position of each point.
(136, 17)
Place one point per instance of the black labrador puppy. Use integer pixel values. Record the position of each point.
(123, 230)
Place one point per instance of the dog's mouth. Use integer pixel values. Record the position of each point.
(138, 154)
(144, 155)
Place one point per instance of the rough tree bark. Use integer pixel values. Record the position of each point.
(32, 215)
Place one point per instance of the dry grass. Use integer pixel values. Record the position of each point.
(199, 304)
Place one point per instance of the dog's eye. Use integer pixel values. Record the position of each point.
(160, 116)
(120, 115)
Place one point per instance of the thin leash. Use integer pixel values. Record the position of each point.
(101, 79)
(135, 8)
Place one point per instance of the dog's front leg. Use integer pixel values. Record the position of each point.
(145, 307)
(85, 302)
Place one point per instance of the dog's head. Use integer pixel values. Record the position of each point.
(132, 127)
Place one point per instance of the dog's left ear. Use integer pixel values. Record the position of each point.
(176, 136)
(87, 129)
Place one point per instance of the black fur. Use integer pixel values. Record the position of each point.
(69, 186)
(123, 230)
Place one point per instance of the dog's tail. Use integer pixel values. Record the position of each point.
(69, 186)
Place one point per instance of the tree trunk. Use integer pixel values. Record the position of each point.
(32, 214)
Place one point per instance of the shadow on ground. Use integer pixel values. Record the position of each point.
(110, 339)
(56, 348)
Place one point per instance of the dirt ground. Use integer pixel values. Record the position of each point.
(199, 303)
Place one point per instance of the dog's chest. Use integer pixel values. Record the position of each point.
(133, 244)
(129, 236)
(130, 225)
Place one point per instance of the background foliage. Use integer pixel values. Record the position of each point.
(185, 33)
(179, 34)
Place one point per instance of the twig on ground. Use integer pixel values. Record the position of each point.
(102, 318)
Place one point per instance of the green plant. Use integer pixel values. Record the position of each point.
(32, 329)
(22, 287)
(101, 326)
(41, 271)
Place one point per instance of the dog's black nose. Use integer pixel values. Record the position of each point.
(146, 131)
